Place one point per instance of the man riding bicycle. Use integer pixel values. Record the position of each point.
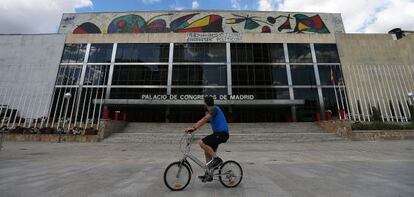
(220, 133)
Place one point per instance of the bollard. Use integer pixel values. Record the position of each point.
(117, 115)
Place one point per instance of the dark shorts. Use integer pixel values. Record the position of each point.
(215, 139)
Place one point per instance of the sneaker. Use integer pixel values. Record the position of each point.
(216, 162)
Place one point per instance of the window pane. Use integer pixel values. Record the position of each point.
(96, 75)
(140, 75)
(135, 93)
(206, 52)
(199, 75)
(73, 53)
(326, 53)
(299, 53)
(142, 53)
(259, 75)
(263, 93)
(307, 112)
(100, 53)
(69, 75)
(330, 74)
(303, 75)
(257, 53)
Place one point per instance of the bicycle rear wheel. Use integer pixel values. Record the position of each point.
(177, 176)
(231, 174)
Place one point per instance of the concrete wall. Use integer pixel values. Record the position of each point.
(378, 71)
(201, 21)
(28, 69)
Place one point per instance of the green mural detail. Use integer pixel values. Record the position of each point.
(251, 22)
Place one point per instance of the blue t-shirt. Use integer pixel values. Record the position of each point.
(218, 121)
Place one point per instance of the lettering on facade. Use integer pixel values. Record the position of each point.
(213, 37)
(194, 97)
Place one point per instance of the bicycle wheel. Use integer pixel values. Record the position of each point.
(177, 176)
(231, 174)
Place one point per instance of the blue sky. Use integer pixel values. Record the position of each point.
(147, 5)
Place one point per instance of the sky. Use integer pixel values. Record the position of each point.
(359, 16)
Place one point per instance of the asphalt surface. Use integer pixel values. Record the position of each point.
(346, 168)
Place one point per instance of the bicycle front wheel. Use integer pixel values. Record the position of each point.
(177, 176)
(231, 174)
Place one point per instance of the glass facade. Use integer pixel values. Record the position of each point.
(269, 71)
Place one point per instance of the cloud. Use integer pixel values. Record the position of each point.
(40, 16)
(150, 1)
(358, 16)
(235, 4)
(195, 4)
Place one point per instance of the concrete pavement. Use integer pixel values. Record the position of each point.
(342, 168)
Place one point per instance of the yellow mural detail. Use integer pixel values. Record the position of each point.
(200, 22)
(302, 27)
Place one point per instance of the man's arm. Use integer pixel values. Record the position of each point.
(203, 120)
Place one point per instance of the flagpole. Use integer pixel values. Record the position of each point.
(336, 95)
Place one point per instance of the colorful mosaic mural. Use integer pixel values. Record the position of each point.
(180, 22)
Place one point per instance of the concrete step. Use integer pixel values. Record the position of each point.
(171, 133)
(174, 138)
(234, 128)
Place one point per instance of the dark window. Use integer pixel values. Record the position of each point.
(135, 93)
(142, 53)
(260, 114)
(257, 53)
(140, 75)
(199, 91)
(303, 75)
(330, 74)
(100, 53)
(326, 53)
(206, 52)
(199, 75)
(263, 93)
(307, 112)
(73, 53)
(259, 75)
(69, 75)
(300, 53)
(96, 75)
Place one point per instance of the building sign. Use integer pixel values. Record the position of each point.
(213, 37)
(195, 97)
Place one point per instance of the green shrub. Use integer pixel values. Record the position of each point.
(381, 126)
(376, 114)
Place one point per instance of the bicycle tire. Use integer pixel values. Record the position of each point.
(175, 187)
(227, 183)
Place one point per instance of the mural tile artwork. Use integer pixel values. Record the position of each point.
(185, 21)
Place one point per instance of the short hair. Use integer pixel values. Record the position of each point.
(209, 101)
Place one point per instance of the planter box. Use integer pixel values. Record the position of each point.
(382, 135)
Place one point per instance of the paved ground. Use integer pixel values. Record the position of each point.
(294, 169)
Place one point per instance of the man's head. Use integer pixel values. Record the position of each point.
(209, 101)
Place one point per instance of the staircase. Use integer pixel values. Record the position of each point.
(170, 133)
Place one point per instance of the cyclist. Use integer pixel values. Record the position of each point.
(220, 132)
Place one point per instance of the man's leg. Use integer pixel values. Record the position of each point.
(208, 151)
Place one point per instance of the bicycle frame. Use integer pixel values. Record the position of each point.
(187, 154)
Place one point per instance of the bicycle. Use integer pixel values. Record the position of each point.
(178, 174)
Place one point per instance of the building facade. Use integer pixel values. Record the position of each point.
(157, 66)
